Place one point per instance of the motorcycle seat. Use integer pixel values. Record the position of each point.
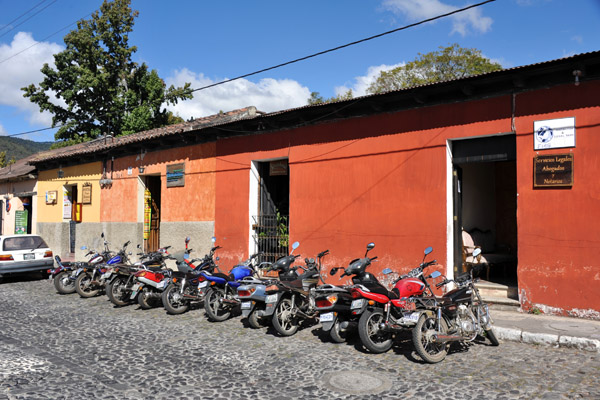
(220, 275)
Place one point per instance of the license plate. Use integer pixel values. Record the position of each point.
(134, 289)
(412, 316)
(246, 305)
(272, 298)
(327, 317)
(29, 256)
(358, 303)
(203, 284)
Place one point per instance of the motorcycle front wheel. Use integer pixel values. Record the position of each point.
(283, 319)
(173, 300)
(491, 335)
(371, 336)
(422, 333)
(63, 284)
(116, 291)
(83, 285)
(214, 307)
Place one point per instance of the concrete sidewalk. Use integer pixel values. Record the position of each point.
(547, 330)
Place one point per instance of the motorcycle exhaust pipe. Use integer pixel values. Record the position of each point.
(230, 301)
(438, 338)
(390, 327)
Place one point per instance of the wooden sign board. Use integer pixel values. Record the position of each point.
(86, 194)
(553, 170)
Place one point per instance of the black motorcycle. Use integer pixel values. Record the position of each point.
(458, 316)
(290, 299)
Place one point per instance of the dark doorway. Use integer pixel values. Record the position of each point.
(485, 207)
(152, 217)
(28, 207)
(271, 225)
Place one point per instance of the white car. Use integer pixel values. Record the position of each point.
(24, 253)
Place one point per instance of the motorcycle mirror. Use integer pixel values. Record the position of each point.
(369, 247)
(334, 271)
(387, 271)
(139, 246)
(217, 258)
(187, 240)
(102, 235)
(186, 256)
(213, 239)
(295, 246)
(435, 274)
(476, 252)
(428, 250)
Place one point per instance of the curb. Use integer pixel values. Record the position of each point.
(547, 339)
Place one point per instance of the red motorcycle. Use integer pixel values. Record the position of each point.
(386, 312)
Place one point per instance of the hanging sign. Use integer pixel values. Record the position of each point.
(553, 170)
(21, 222)
(554, 133)
(86, 193)
(278, 167)
(176, 175)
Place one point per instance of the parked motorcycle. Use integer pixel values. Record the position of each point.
(290, 299)
(63, 275)
(151, 280)
(252, 294)
(339, 308)
(122, 278)
(187, 284)
(385, 311)
(460, 315)
(221, 295)
(90, 280)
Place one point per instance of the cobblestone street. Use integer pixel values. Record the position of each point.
(66, 347)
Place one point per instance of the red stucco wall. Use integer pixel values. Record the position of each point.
(559, 238)
(192, 202)
(380, 179)
(383, 179)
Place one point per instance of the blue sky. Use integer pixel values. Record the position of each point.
(203, 42)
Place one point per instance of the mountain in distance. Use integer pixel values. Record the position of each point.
(20, 148)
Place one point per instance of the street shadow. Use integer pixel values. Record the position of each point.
(24, 277)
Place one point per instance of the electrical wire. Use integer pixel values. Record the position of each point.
(285, 63)
(27, 19)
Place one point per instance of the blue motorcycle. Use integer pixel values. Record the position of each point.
(221, 296)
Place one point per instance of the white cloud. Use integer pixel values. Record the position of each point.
(2, 131)
(361, 83)
(267, 95)
(417, 10)
(23, 70)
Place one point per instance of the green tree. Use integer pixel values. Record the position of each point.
(448, 63)
(316, 98)
(104, 91)
(3, 162)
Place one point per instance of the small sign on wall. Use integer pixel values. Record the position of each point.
(553, 170)
(176, 175)
(86, 193)
(554, 133)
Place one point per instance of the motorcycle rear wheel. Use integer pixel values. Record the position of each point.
(429, 351)
(283, 320)
(173, 302)
(146, 300)
(491, 335)
(116, 293)
(336, 334)
(371, 336)
(63, 284)
(254, 320)
(84, 287)
(213, 306)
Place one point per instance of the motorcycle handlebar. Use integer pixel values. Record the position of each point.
(323, 253)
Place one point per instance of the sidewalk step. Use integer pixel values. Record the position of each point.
(497, 290)
(502, 303)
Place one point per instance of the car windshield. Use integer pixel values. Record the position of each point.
(23, 243)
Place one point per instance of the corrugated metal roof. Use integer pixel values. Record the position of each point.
(103, 144)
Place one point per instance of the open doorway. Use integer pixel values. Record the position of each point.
(270, 209)
(485, 207)
(152, 213)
